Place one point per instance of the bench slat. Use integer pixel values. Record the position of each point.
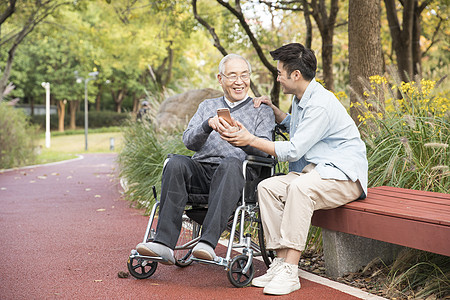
(390, 201)
(422, 206)
(428, 197)
(413, 192)
(413, 213)
(409, 213)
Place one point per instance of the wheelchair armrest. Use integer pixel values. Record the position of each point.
(254, 159)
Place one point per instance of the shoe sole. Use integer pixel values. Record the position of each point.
(279, 292)
(147, 252)
(202, 254)
(260, 285)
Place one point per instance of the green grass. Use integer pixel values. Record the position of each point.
(63, 147)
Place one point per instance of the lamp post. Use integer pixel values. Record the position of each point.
(46, 86)
(92, 76)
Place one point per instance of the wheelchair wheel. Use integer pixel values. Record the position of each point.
(140, 268)
(189, 231)
(253, 225)
(235, 275)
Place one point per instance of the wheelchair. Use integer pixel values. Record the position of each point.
(244, 227)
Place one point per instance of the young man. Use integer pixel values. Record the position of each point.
(215, 168)
(327, 164)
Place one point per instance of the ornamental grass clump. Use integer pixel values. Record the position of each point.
(142, 158)
(419, 275)
(406, 127)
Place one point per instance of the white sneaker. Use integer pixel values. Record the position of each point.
(263, 280)
(285, 280)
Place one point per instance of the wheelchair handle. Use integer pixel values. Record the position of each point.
(154, 193)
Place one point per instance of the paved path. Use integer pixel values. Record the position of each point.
(66, 233)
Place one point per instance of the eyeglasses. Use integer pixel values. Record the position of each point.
(234, 78)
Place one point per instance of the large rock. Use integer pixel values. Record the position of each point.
(177, 110)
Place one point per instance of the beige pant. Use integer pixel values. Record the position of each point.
(287, 203)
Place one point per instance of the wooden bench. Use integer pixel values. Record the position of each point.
(410, 218)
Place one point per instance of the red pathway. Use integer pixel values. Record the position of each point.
(66, 232)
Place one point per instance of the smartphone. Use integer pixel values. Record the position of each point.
(225, 114)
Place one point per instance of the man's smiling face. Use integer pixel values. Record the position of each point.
(235, 90)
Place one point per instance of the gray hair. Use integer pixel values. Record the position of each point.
(230, 57)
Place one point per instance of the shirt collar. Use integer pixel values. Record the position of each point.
(234, 104)
(307, 94)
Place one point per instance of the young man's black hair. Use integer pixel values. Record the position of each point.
(295, 56)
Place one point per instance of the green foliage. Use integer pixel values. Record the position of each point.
(99, 119)
(142, 158)
(17, 138)
(408, 138)
(96, 119)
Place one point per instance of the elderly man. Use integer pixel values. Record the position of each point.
(215, 168)
(327, 164)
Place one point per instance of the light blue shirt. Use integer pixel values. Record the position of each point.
(323, 133)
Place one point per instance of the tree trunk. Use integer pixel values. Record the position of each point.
(7, 71)
(307, 16)
(364, 46)
(135, 103)
(163, 74)
(325, 22)
(74, 104)
(327, 58)
(98, 98)
(61, 114)
(32, 106)
(417, 32)
(402, 35)
(118, 99)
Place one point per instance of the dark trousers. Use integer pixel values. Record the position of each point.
(183, 176)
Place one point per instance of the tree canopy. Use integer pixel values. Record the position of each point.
(141, 46)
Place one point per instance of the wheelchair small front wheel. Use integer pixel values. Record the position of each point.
(140, 268)
(235, 275)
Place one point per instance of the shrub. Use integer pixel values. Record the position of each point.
(406, 127)
(17, 138)
(407, 138)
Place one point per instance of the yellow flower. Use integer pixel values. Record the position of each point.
(377, 79)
